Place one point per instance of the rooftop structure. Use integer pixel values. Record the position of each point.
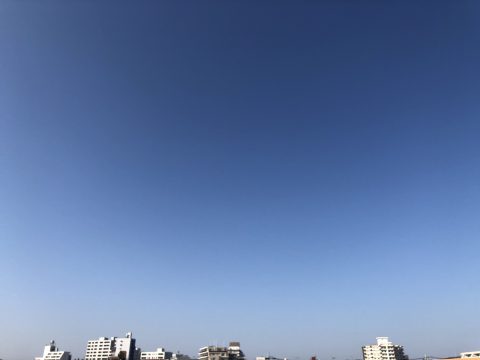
(470, 354)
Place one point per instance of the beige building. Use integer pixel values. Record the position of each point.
(383, 350)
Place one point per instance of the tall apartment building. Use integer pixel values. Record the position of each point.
(112, 349)
(160, 354)
(383, 350)
(51, 352)
(232, 352)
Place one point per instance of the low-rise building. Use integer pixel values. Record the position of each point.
(51, 352)
(470, 354)
(232, 352)
(160, 354)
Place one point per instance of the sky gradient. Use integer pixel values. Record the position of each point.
(298, 176)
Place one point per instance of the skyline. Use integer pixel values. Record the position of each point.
(269, 354)
(276, 172)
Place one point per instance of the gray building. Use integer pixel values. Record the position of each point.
(232, 352)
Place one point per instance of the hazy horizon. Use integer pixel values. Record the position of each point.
(299, 176)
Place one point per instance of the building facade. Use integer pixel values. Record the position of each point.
(383, 350)
(213, 353)
(232, 352)
(160, 354)
(51, 352)
(112, 349)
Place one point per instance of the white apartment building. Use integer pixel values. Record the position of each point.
(101, 349)
(51, 352)
(383, 350)
(160, 354)
(126, 346)
(112, 348)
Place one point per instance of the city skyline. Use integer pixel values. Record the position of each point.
(109, 348)
(301, 176)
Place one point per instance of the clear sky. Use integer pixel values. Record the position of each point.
(299, 176)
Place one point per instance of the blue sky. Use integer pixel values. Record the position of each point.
(298, 176)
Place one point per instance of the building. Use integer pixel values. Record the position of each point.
(100, 349)
(160, 354)
(470, 354)
(232, 352)
(112, 349)
(213, 353)
(383, 350)
(125, 348)
(51, 352)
